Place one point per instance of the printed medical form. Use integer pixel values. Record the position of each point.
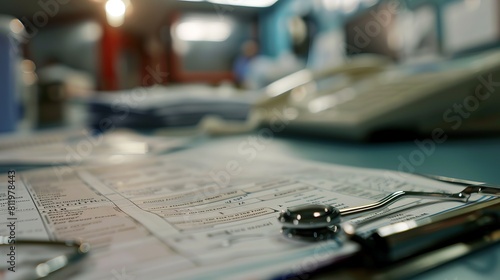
(199, 214)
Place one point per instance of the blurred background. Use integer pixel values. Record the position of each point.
(62, 60)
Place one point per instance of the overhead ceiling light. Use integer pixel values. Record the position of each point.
(203, 30)
(115, 12)
(245, 3)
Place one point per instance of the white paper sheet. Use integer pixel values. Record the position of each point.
(76, 147)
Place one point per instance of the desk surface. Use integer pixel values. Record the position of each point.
(473, 159)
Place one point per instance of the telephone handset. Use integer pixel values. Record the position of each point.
(370, 98)
(281, 95)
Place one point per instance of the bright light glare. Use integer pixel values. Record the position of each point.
(16, 26)
(201, 30)
(115, 8)
(115, 12)
(332, 5)
(91, 32)
(351, 6)
(346, 6)
(245, 3)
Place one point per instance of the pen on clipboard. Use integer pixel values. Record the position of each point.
(407, 248)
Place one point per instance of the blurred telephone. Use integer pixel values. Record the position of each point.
(371, 98)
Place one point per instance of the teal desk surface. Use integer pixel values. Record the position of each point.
(474, 159)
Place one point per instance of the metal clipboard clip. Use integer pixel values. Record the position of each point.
(407, 248)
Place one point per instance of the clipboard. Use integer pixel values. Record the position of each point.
(406, 249)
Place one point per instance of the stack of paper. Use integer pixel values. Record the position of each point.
(168, 107)
(205, 213)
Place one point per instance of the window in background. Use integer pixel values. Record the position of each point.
(469, 24)
(64, 42)
(205, 45)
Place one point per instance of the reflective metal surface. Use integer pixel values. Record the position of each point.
(54, 267)
(315, 222)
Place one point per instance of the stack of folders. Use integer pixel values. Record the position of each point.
(168, 107)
